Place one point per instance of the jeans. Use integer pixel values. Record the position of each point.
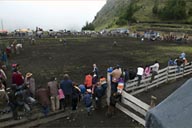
(45, 110)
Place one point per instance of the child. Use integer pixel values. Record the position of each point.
(87, 100)
(61, 99)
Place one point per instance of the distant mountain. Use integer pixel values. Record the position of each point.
(117, 13)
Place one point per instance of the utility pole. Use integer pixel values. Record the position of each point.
(2, 24)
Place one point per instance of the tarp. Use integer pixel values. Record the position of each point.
(173, 112)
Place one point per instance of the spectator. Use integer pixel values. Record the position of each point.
(8, 51)
(13, 103)
(87, 101)
(132, 74)
(30, 83)
(95, 70)
(88, 81)
(103, 83)
(3, 98)
(116, 74)
(53, 92)
(185, 61)
(42, 96)
(17, 77)
(113, 100)
(61, 99)
(179, 62)
(4, 58)
(147, 71)
(98, 93)
(82, 88)
(66, 86)
(155, 69)
(75, 96)
(3, 78)
(183, 55)
(170, 62)
(126, 75)
(140, 71)
(120, 86)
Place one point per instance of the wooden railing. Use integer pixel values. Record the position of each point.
(134, 107)
(164, 75)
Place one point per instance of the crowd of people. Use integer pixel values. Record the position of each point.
(55, 95)
(179, 61)
(66, 93)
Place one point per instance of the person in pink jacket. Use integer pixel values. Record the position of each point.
(61, 99)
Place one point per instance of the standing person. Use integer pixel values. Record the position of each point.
(88, 81)
(13, 103)
(113, 100)
(75, 96)
(155, 69)
(140, 71)
(116, 74)
(87, 101)
(170, 62)
(98, 93)
(3, 78)
(125, 75)
(53, 92)
(179, 62)
(66, 85)
(8, 51)
(4, 58)
(4, 99)
(64, 42)
(103, 83)
(30, 83)
(147, 71)
(42, 96)
(17, 77)
(95, 70)
(183, 55)
(61, 99)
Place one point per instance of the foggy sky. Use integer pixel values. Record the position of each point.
(48, 14)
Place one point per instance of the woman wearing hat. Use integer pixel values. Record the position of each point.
(30, 83)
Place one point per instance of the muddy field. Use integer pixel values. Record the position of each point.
(49, 57)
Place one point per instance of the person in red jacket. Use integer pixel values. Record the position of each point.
(17, 77)
(88, 81)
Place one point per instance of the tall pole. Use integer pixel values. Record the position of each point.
(2, 24)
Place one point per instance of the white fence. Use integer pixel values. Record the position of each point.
(164, 75)
(135, 104)
(138, 108)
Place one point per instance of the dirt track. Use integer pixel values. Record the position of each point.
(50, 58)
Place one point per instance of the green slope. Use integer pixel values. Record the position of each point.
(106, 18)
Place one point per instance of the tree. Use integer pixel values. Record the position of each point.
(155, 7)
(174, 9)
(88, 26)
(129, 14)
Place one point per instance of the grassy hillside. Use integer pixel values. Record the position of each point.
(113, 9)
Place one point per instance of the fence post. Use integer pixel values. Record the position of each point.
(167, 73)
(153, 101)
(183, 70)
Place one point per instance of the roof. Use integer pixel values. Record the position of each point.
(3, 31)
(175, 111)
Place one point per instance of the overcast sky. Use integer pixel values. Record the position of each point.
(48, 14)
